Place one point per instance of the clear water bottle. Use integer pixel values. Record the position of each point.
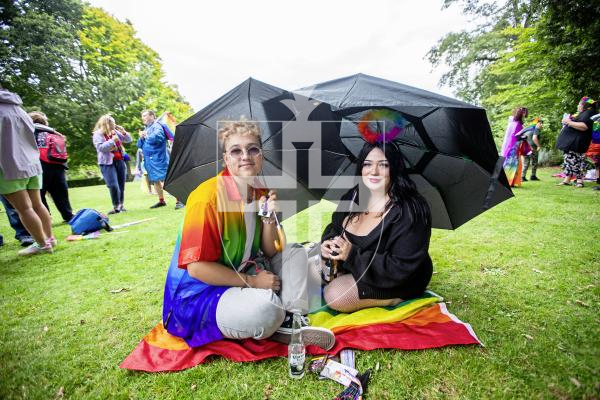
(296, 350)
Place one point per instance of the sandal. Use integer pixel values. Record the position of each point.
(579, 185)
(563, 184)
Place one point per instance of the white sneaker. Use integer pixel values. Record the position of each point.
(317, 336)
(311, 335)
(52, 241)
(36, 249)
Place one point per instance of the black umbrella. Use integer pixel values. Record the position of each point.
(448, 144)
(195, 156)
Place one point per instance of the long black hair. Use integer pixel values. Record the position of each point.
(402, 189)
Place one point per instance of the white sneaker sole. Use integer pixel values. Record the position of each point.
(33, 253)
(311, 335)
(321, 337)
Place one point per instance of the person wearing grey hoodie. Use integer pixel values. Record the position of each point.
(20, 173)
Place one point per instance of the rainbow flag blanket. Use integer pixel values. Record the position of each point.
(416, 324)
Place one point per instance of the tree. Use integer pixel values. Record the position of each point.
(470, 53)
(540, 54)
(37, 52)
(75, 63)
(570, 31)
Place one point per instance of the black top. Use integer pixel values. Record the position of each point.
(391, 261)
(571, 139)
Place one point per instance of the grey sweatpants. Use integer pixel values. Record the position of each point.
(244, 312)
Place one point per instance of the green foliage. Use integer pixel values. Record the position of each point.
(110, 48)
(469, 53)
(76, 63)
(38, 48)
(530, 291)
(520, 77)
(538, 54)
(570, 30)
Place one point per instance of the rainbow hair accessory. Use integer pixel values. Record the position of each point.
(586, 100)
(371, 136)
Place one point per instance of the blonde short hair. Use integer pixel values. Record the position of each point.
(241, 127)
(39, 117)
(105, 124)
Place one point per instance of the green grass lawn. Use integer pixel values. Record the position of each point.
(524, 275)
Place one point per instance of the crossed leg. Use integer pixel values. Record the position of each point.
(341, 294)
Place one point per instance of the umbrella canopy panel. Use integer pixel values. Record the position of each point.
(291, 154)
(437, 122)
(196, 141)
(448, 144)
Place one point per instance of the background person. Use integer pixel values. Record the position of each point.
(141, 172)
(153, 143)
(514, 147)
(532, 135)
(21, 233)
(20, 173)
(108, 139)
(383, 250)
(54, 180)
(574, 140)
(593, 151)
(226, 289)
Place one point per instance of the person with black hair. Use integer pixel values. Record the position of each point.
(382, 246)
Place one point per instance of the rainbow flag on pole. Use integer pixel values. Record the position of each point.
(168, 122)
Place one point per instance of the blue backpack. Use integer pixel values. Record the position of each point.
(87, 221)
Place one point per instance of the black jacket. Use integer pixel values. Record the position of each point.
(571, 139)
(398, 265)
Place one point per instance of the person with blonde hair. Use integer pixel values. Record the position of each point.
(20, 173)
(230, 275)
(108, 139)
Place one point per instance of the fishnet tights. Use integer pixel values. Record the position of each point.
(342, 295)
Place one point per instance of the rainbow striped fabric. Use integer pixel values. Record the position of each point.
(510, 152)
(416, 324)
(214, 227)
(168, 122)
(213, 230)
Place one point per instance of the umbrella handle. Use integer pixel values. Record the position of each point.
(281, 241)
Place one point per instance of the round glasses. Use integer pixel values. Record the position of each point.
(238, 152)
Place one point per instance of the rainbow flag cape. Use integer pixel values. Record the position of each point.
(168, 122)
(416, 324)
